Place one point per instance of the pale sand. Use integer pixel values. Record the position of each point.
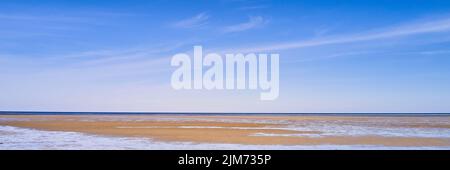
(222, 129)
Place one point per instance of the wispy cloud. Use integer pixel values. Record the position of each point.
(66, 16)
(52, 24)
(253, 22)
(410, 29)
(25, 17)
(193, 22)
(434, 52)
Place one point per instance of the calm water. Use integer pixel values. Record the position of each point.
(373, 124)
(220, 114)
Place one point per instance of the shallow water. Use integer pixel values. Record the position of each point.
(24, 138)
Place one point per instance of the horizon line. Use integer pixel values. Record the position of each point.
(232, 113)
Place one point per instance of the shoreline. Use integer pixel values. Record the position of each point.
(247, 130)
(56, 140)
(369, 114)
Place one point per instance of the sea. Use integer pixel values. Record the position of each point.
(12, 138)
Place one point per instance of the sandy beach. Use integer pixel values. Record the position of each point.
(251, 130)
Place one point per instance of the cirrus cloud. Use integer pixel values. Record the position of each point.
(198, 20)
(253, 22)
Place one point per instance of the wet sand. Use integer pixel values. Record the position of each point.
(235, 129)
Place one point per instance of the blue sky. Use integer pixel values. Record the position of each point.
(352, 56)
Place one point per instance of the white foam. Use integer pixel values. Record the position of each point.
(333, 129)
(23, 138)
(375, 126)
(357, 126)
